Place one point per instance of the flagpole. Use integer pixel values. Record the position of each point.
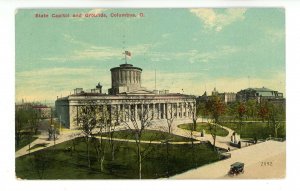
(155, 79)
(125, 58)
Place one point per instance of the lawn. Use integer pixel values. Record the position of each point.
(200, 126)
(252, 130)
(160, 161)
(150, 135)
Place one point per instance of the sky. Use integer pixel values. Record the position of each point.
(191, 50)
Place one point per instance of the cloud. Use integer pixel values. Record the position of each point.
(275, 35)
(195, 56)
(216, 21)
(197, 82)
(97, 11)
(166, 35)
(48, 83)
(87, 51)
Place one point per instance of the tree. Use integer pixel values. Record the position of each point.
(33, 119)
(115, 116)
(263, 111)
(241, 111)
(137, 128)
(104, 124)
(202, 109)
(215, 108)
(251, 108)
(194, 110)
(88, 116)
(213, 131)
(26, 123)
(276, 116)
(170, 116)
(74, 139)
(21, 121)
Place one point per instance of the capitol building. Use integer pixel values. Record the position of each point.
(125, 99)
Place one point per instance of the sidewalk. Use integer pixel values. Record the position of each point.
(255, 158)
(67, 134)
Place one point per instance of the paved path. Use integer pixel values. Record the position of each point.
(253, 157)
(67, 134)
(221, 142)
(143, 141)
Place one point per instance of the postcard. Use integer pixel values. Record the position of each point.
(150, 93)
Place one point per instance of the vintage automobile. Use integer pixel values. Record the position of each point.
(236, 168)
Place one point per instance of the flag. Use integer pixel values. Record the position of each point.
(127, 53)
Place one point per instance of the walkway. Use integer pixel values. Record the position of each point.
(221, 142)
(143, 141)
(67, 134)
(264, 160)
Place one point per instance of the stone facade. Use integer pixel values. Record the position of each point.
(122, 107)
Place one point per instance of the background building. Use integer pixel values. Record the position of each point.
(226, 97)
(260, 94)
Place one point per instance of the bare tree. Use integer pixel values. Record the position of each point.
(215, 107)
(241, 111)
(21, 120)
(194, 111)
(170, 117)
(74, 139)
(212, 126)
(88, 118)
(137, 125)
(33, 120)
(276, 116)
(105, 122)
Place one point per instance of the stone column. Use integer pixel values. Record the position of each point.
(123, 113)
(130, 112)
(163, 110)
(139, 78)
(110, 114)
(167, 105)
(135, 112)
(158, 111)
(118, 113)
(185, 113)
(153, 109)
(148, 110)
(177, 113)
(186, 109)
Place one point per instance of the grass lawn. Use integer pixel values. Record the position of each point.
(150, 135)
(200, 126)
(260, 130)
(161, 160)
